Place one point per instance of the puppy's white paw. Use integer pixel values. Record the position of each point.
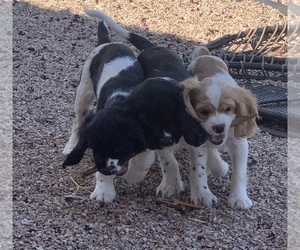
(239, 201)
(219, 170)
(204, 197)
(170, 187)
(70, 145)
(103, 193)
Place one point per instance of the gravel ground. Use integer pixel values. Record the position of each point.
(5, 125)
(52, 209)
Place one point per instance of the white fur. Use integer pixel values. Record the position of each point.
(171, 183)
(237, 149)
(104, 190)
(114, 163)
(214, 72)
(119, 93)
(226, 78)
(167, 78)
(200, 193)
(167, 134)
(139, 167)
(213, 92)
(112, 69)
(111, 23)
(85, 94)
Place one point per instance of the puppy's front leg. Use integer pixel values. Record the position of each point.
(238, 151)
(171, 183)
(200, 192)
(104, 190)
(216, 166)
(84, 99)
(139, 167)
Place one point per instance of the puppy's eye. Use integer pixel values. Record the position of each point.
(229, 109)
(204, 112)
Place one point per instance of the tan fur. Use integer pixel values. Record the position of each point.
(200, 51)
(207, 66)
(246, 110)
(192, 94)
(204, 65)
(234, 99)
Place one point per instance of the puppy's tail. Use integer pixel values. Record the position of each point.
(103, 36)
(138, 41)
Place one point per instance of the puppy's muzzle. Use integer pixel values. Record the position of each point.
(219, 138)
(219, 129)
(167, 141)
(114, 169)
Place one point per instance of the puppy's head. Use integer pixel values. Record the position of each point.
(114, 138)
(205, 65)
(200, 51)
(218, 106)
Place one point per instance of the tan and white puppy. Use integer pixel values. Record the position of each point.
(228, 114)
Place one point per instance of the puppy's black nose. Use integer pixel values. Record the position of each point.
(167, 141)
(219, 128)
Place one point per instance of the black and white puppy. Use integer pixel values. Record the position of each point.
(153, 117)
(158, 105)
(130, 118)
(109, 75)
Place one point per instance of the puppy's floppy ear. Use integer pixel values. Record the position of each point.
(192, 131)
(189, 91)
(136, 133)
(246, 113)
(77, 153)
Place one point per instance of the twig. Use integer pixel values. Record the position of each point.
(177, 204)
(187, 204)
(74, 197)
(88, 172)
(78, 186)
(196, 220)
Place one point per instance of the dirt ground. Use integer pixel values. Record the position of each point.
(52, 209)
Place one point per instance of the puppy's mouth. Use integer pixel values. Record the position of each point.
(217, 139)
(123, 169)
(118, 170)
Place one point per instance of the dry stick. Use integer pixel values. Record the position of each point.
(78, 186)
(196, 220)
(88, 172)
(177, 204)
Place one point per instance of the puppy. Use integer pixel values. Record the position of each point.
(132, 119)
(109, 75)
(164, 72)
(228, 114)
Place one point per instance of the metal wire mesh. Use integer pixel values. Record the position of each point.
(256, 53)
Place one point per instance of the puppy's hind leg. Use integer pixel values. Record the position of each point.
(84, 99)
(139, 166)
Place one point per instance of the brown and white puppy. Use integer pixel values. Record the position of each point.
(228, 114)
